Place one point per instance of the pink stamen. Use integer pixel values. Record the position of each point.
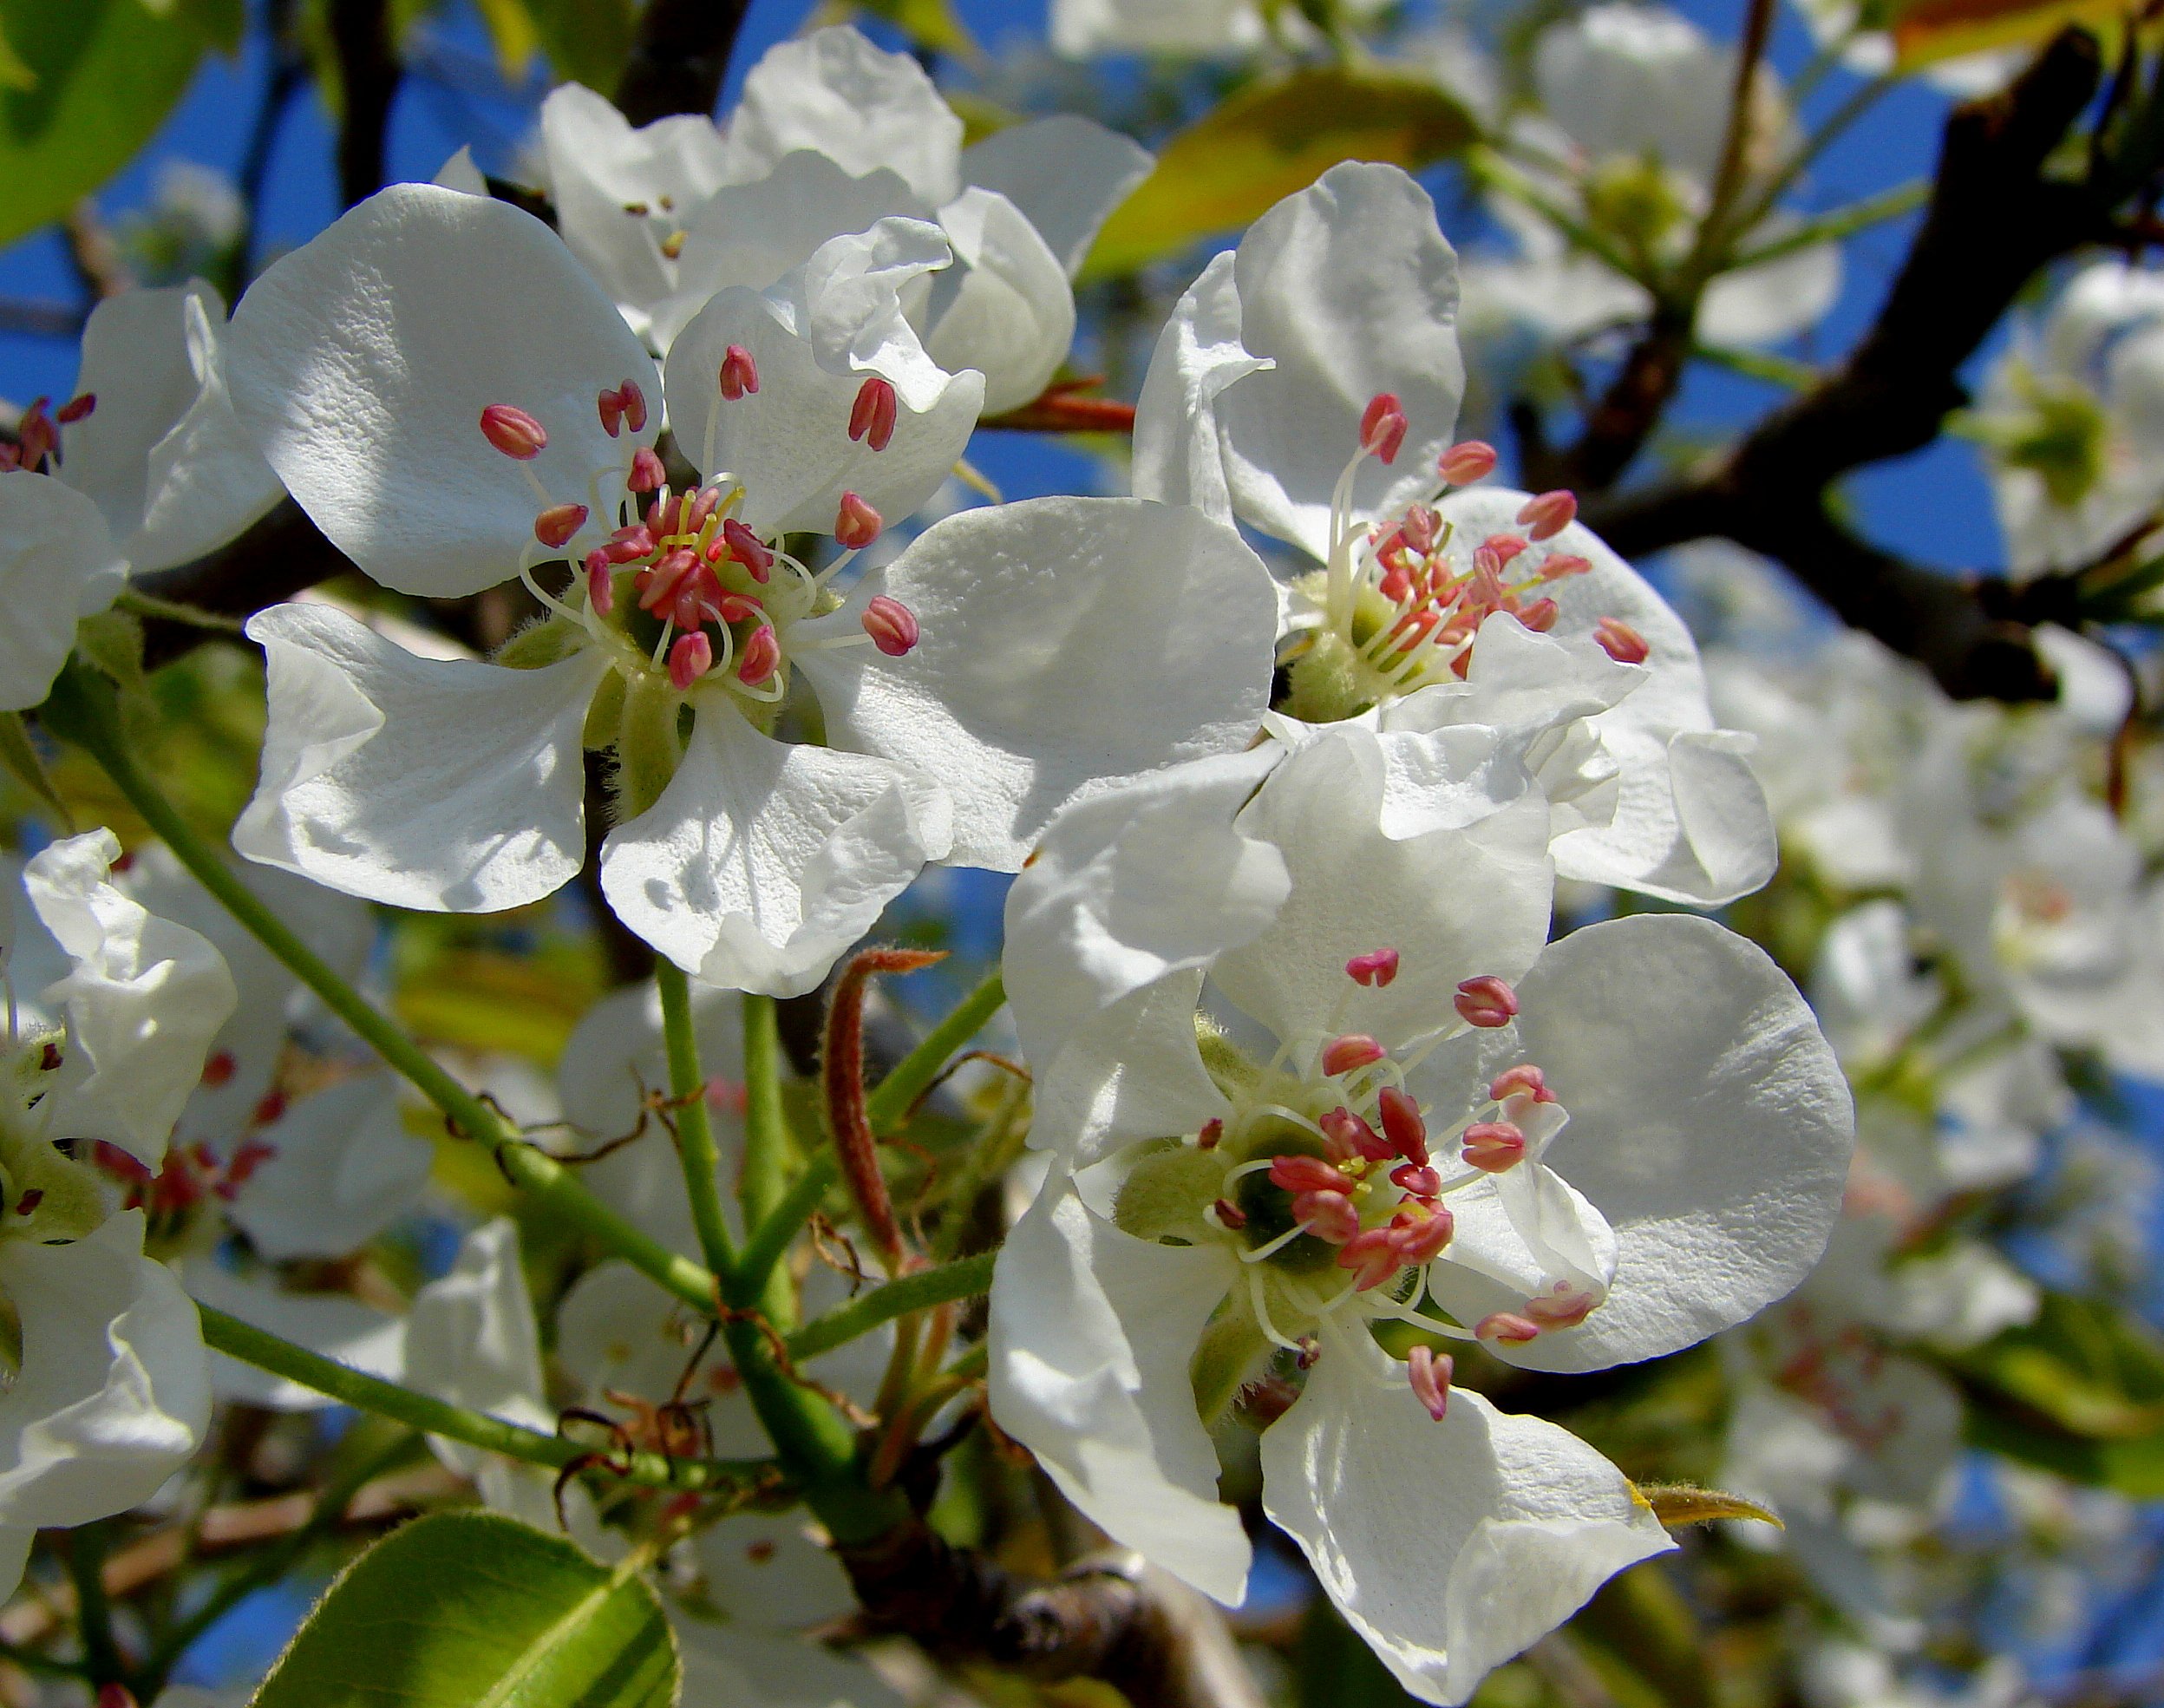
(1230, 1213)
(1504, 548)
(1355, 1050)
(871, 417)
(1401, 1124)
(1305, 1174)
(1494, 1146)
(513, 432)
(1467, 460)
(1212, 1132)
(1382, 426)
(748, 549)
(763, 653)
(647, 475)
(1523, 1078)
(1375, 969)
(1620, 641)
(691, 657)
(1350, 1136)
(628, 544)
(76, 408)
(1421, 527)
(856, 523)
(740, 374)
(559, 522)
(1373, 1254)
(1564, 1307)
(1430, 1379)
(1539, 615)
(600, 583)
(1505, 1328)
(1331, 1213)
(892, 625)
(1422, 1230)
(1548, 513)
(704, 502)
(1486, 1001)
(35, 435)
(632, 401)
(1417, 1179)
(1565, 564)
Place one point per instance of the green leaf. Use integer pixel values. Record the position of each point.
(931, 24)
(20, 758)
(2088, 1367)
(586, 40)
(102, 76)
(1265, 142)
(471, 1610)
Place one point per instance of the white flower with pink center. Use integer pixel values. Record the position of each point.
(1324, 1102)
(456, 402)
(1308, 384)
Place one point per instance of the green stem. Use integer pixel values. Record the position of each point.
(1859, 102)
(919, 1292)
(81, 709)
(1495, 173)
(93, 1614)
(1841, 224)
(477, 1429)
(767, 1145)
(773, 1237)
(1759, 364)
(694, 1126)
(267, 1565)
(888, 1107)
(995, 1152)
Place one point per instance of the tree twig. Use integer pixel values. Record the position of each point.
(369, 74)
(679, 58)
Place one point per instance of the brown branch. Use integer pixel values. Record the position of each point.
(368, 73)
(1132, 1626)
(679, 59)
(282, 553)
(1996, 217)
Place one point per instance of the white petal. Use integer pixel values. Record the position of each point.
(1349, 289)
(470, 1338)
(1775, 299)
(338, 1326)
(1709, 1123)
(616, 1329)
(732, 1664)
(144, 1000)
(445, 785)
(1356, 889)
(362, 362)
(790, 443)
(459, 173)
(1067, 644)
(1179, 456)
(863, 107)
(57, 565)
(763, 860)
(599, 169)
(1131, 886)
(1449, 1546)
(1132, 1071)
(765, 1569)
(344, 1165)
(161, 454)
(1066, 174)
(1005, 307)
(1084, 26)
(113, 1392)
(1091, 1333)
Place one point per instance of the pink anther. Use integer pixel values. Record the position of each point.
(1562, 565)
(856, 523)
(600, 582)
(1524, 1078)
(1355, 1050)
(1375, 969)
(1330, 1215)
(1562, 1306)
(1422, 527)
(871, 417)
(513, 432)
(1305, 1174)
(1212, 1131)
(1505, 548)
(740, 374)
(1422, 1230)
(1401, 1124)
(1417, 1179)
(1494, 1146)
(689, 659)
(1620, 641)
(1350, 1136)
(1382, 426)
(739, 608)
(1505, 1328)
(762, 654)
(1429, 1374)
(556, 525)
(748, 549)
(34, 435)
(700, 509)
(76, 408)
(892, 625)
(1467, 460)
(647, 475)
(1486, 1001)
(1230, 1214)
(1539, 615)
(628, 545)
(1374, 1255)
(1548, 513)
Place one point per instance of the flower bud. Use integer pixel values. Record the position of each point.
(513, 432)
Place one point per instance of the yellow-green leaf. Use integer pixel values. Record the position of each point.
(1929, 30)
(1675, 1503)
(1269, 139)
(586, 40)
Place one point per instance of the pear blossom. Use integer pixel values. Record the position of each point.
(142, 468)
(2070, 419)
(832, 135)
(446, 443)
(1308, 384)
(1580, 1155)
(1633, 112)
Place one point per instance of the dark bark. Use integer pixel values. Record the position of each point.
(679, 58)
(368, 75)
